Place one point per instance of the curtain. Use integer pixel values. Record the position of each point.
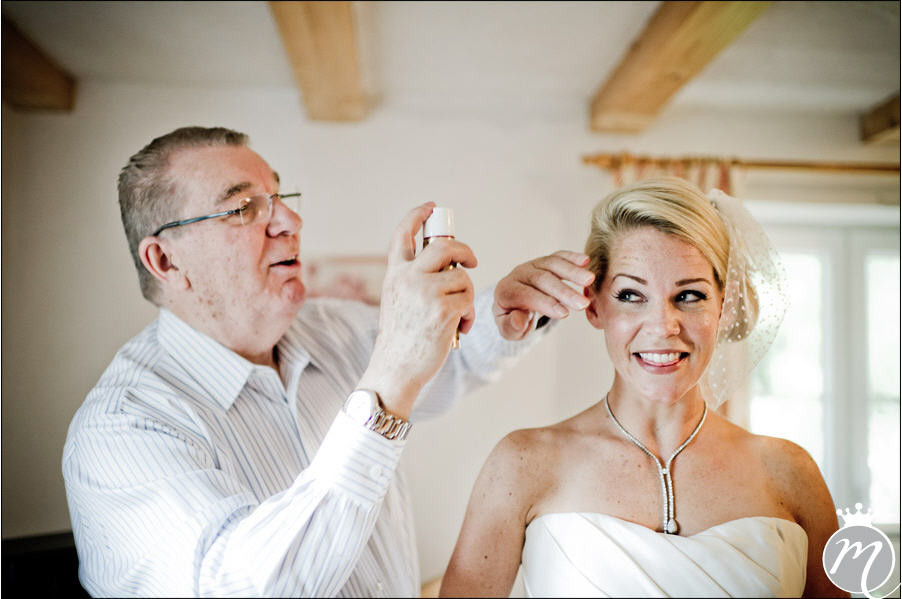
(708, 173)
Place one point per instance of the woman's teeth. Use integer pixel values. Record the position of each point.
(660, 358)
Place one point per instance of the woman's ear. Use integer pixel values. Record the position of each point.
(157, 257)
(592, 310)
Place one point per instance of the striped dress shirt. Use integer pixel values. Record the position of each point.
(191, 471)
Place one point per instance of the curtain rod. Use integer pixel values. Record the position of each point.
(613, 161)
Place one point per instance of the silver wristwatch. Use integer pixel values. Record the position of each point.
(365, 407)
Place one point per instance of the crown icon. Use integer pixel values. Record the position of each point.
(856, 518)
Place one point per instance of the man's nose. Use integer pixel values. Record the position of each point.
(284, 221)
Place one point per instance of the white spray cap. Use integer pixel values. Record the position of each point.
(439, 224)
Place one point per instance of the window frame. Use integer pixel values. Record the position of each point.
(843, 243)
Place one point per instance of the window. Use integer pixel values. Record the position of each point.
(831, 380)
(788, 385)
(881, 268)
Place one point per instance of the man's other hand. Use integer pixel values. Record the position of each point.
(537, 288)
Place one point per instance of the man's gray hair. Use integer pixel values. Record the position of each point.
(149, 197)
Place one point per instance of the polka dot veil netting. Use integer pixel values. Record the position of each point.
(754, 303)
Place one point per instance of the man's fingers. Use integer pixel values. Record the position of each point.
(530, 299)
(577, 258)
(528, 276)
(568, 266)
(441, 252)
(403, 245)
(519, 320)
(467, 320)
(513, 326)
(455, 280)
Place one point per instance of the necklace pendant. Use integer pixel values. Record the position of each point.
(672, 527)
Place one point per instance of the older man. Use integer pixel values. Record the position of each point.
(246, 442)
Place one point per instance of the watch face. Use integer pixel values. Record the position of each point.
(359, 406)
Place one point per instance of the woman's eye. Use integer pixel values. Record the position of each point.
(690, 297)
(628, 295)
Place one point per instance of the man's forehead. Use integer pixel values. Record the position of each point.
(221, 171)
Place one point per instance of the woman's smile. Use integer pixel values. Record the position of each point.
(660, 362)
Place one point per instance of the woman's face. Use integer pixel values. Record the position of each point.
(659, 306)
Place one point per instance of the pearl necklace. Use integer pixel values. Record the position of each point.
(669, 522)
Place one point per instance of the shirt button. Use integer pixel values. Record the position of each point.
(376, 472)
(379, 586)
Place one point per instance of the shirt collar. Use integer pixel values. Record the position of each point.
(219, 371)
(292, 349)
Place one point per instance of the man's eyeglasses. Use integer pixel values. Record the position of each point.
(250, 210)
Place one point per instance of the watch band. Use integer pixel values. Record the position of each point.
(364, 406)
(389, 426)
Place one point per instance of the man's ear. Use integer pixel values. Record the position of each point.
(592, 314)
(157, 257)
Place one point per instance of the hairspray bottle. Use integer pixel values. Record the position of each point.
(441, 224)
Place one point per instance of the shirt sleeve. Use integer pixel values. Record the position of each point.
(482, 357)
(153, 515)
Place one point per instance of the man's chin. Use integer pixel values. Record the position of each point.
(294, 293)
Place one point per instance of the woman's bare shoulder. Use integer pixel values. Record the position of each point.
(789, 468)
(802, 490)
(526, 458)
(796, 477)
(529, 446)
(781, 457)
(786, 461)
(538, 441)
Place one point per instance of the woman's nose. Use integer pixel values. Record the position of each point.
(665, 321)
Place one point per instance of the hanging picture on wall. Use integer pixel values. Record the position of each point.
(346, 277)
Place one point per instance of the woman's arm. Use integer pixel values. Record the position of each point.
(806, 494)
(487, 554)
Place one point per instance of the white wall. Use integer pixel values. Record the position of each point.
(514, 177)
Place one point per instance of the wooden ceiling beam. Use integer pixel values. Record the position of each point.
(680, 40)
(31, 79)
(320, 40)
(881, 123)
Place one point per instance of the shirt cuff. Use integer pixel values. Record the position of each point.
(356, 460)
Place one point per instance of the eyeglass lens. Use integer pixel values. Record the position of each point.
(292, 202)
(260, 207)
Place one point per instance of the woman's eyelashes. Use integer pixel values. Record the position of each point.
(628, 296)
(687, 296)
(691, 296)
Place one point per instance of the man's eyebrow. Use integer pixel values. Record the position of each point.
(234, 189)
(637, 279)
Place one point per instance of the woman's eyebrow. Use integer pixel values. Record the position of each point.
(679, 283)
(637, 279)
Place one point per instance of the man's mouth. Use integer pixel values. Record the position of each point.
(291, 261)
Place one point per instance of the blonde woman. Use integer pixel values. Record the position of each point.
(649, 491)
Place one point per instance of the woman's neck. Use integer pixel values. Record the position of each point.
(661, 426)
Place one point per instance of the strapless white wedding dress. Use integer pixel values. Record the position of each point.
(597, 555)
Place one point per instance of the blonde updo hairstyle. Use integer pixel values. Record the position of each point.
(673, 206)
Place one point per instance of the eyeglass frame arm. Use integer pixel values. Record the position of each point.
(188, 221)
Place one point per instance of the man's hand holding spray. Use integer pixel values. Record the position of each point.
(426, 299)
(423, 300)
